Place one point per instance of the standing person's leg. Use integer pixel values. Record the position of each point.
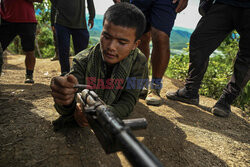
(63, 37)
(145, 7)
(211, 30)
(162, 19)
(160, 52)
(241, 73)
(27, 33)
(56, 56)
(144, 45)
(7, 33)
(80, 39)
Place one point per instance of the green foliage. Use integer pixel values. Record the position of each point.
(45, 42)
(179, 39)
(230, 46)
(244, 99)
(178, 66)
(218, 74)
(15, 47)
(43, 10)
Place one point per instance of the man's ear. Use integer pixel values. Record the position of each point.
(136, 44)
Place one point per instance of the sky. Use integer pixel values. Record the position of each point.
(188, 18)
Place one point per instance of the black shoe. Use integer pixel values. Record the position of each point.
(184, 95)
(29, 79)
(222, 108)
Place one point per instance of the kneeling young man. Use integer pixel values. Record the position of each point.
(108, 65)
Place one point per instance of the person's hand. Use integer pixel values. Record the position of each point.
(117, 1)
(181, 6)
(80, 116)
(91, 24)
(63, 90)
(53, 28)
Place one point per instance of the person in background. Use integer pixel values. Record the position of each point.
(220, 20)
(18, 18)
(160, 16)
(70, 20)
(52, 20)
(107, 66)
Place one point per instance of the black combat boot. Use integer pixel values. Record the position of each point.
(222, 108)
(185, 95)
(29, 79)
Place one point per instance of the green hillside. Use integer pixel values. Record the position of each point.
(179, 39)
(179, 36)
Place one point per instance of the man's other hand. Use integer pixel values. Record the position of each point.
(63, 90)
(91, 24)
(181, 6)
(80, 116)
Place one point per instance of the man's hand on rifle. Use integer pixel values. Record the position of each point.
(63, 90)
(80, 116)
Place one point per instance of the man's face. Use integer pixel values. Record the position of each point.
(117, 42)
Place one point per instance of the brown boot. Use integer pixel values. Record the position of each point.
(153, 97)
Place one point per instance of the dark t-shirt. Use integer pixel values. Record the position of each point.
(237, 3)
(71, 13)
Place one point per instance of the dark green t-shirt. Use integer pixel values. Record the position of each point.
(71, 13)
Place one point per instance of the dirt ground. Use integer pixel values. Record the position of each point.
(178, 134)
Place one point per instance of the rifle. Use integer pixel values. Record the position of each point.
(115, 134)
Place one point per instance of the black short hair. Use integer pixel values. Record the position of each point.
(126, 15)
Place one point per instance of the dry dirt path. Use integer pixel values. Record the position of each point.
(178, 134)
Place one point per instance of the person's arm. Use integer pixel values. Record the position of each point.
(52, 16)
(63, 93)
(181, 5)
(78, 72)
(129, 97)
(91, 9)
